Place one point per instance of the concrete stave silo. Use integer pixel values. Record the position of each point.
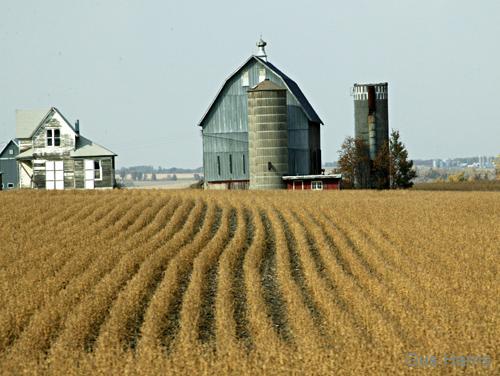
(371, 115)
(267, 136)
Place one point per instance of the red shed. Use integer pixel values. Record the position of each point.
(314, 182)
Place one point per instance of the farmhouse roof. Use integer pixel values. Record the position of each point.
(28, 154)
(87, 148)
(28, 121)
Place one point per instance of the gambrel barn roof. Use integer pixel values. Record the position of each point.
(292, 87)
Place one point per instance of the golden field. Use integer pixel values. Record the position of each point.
(157, 282)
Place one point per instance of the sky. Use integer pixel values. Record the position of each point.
(139, 75)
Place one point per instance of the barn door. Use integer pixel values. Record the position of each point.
(89, 174)
(54, 175)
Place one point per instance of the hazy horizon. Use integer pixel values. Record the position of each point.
(139, 76)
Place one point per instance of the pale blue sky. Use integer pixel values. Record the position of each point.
(139, 75)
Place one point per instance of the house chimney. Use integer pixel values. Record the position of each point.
(77, 127)
(262, 53)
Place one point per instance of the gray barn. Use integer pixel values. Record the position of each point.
(225, 127)
(8, 165)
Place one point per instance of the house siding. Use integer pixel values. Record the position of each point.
(79, 166)
(8, 165)
(107, 174)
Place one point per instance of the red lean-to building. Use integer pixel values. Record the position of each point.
(313, 182)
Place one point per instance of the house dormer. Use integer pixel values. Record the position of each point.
(54, 136)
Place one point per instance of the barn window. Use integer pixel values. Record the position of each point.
(9, 185)
(318, 185)
(230, 164)
(218, 165)
(244, 79)
(244, 163)
(97, 170)
(262, 75)
(53, 137)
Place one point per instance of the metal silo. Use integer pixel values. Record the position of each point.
(267, 136)
(371, 115)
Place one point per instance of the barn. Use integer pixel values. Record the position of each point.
(259, 128)
(54, 155)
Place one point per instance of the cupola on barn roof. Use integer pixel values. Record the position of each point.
(262, 53)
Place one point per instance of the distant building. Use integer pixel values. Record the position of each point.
(259, 128)
(482, 161)
(8, 164)
(490, 162)
(53, 154)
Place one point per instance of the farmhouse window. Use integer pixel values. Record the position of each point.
(54, 175)
(11, 152)
(317, 185)
(97, 170)
(53, 137)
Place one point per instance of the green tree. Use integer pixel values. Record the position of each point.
(401, 170)
(382, 167)
(354, 163)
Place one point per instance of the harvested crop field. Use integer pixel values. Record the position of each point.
(237, 282)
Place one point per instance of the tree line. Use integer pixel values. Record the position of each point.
(391, 168)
